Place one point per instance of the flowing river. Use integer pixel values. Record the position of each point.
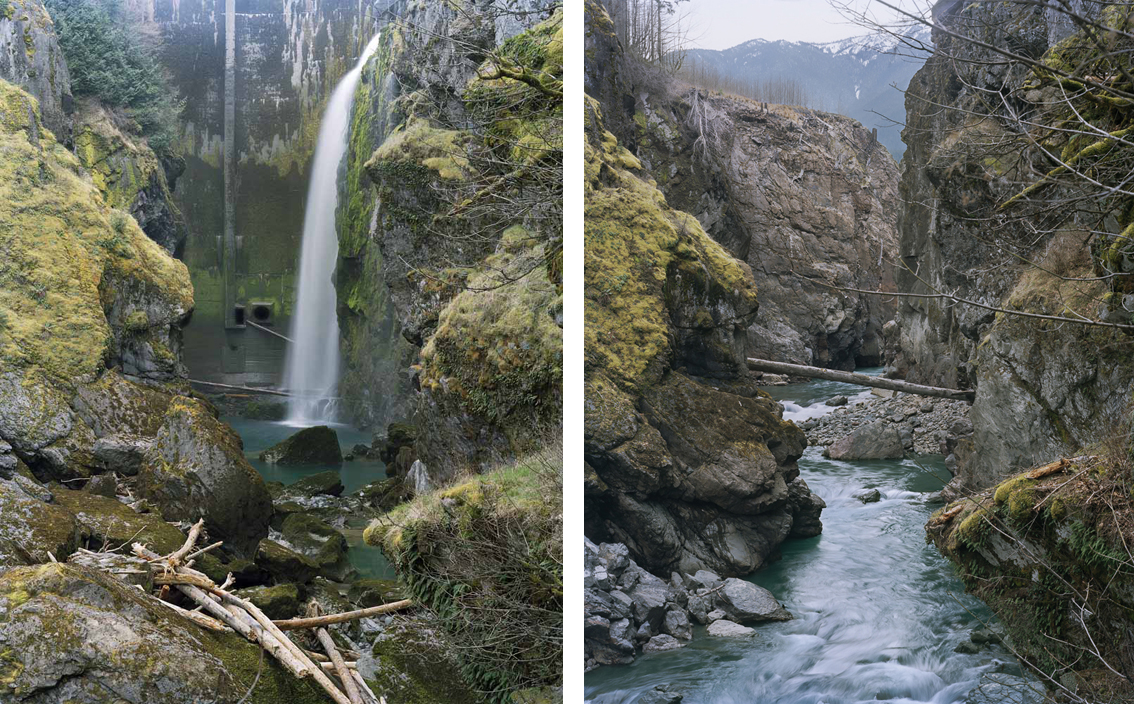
(878, 612)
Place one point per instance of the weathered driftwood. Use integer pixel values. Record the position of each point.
(198, 618)
(764, 365)
(239, 614)
(331, 619)
(332, 651)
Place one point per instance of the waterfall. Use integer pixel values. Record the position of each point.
(312, 368)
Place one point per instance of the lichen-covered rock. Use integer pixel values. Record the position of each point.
(317, 445)
(30, 528)
(72, 633)
(411, 665)
(196, 469)
(688, 472)
(30, 57)
(111, 147)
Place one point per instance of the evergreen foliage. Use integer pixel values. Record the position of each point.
(106, 62)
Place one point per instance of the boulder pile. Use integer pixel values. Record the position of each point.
(630, 611)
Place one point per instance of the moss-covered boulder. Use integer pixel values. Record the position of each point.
(111, 147)
(278, 602)
(30, 528)
(324, 545)
(283, 564)
(485, 556)
(375, 592)
(327, 483)
(72, 634)
(196, 469)
(317, 445)
(384, 494)
(413, 665)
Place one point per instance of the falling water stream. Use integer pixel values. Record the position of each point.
(312, 368)
(878, 612)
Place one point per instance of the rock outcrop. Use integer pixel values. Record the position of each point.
(132, 178)
(807, 199)
(688, 464)
(1051, 557)
(30, 58)
(1043, 388)
(471, 282)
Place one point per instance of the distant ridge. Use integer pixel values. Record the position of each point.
(852, 76)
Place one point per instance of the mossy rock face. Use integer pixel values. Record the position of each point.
(1039, 551)
(284, 564)
(111, 147)
(72, 632)
(664, 300)
(317, 445)
(82, 290)
(196, 469)
(277, 602)
(31, 528)
(34, 61)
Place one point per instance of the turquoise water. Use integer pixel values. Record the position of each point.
(259, 435)
(878, 612)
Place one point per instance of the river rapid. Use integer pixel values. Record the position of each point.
(878, 612)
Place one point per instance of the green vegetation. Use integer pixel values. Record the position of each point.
(107, 62)
(486, 556)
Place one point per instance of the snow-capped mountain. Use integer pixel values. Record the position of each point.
(853, 76)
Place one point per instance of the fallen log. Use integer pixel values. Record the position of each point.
(331, 619)
(344, 674)
(764, 365)
(239, 614)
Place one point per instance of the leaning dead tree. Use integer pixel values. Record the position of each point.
(220, 610)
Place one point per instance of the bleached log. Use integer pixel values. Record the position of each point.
(344, 674)
(764, 365)
(331, 619)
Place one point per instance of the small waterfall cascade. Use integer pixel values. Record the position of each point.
(312, 368)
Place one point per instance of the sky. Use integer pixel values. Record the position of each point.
(722, 24)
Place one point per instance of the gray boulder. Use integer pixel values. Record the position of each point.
(661, 643)
(196, 469)
(677, 625)
(868, 496)
(744, 602)
(326, 546)
(837, 401)
(872, 441)
(729, 629)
